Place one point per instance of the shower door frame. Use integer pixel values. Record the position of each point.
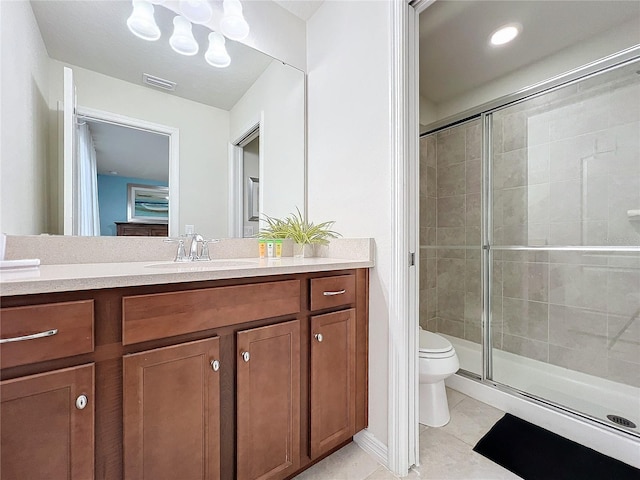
(485, 112)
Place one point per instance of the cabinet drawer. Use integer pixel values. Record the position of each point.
(43, 332)
(149, 317)
(330, 292)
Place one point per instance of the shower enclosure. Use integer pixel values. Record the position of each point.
(530, 244)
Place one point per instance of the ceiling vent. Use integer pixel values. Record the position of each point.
(158, 82)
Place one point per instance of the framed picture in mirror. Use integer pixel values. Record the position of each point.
(147, 203)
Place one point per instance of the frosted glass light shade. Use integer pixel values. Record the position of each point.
(141, 22)
(182, 40)
(216, 54)
(233, 25)
(196, 11)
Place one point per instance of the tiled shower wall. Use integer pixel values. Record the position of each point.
(566, 171)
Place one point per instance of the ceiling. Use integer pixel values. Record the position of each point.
(130, 152)
(455, 56)
(93, 34)
(303, 9)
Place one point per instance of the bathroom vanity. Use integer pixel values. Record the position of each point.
(239, 373)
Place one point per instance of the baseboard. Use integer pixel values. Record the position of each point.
(611, 443)
(374, 447)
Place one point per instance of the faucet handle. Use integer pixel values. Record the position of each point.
(204, 253)
(181, 254)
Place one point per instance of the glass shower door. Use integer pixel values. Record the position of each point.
(563, 234)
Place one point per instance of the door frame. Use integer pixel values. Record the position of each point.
(403, 438)
(173, 133)
(236, 172)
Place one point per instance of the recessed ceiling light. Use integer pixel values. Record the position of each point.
(505, 34)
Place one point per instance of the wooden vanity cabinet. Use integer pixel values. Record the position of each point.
(334, 352)
(332, 380)
(171, 412)
(268, 401)
(220, 379)
(47, 415)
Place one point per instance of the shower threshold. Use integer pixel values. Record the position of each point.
(581, 393)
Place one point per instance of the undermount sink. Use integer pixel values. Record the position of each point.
(204, 265)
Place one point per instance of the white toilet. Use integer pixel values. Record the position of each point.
(437, 361)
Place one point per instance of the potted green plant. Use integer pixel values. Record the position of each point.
(305, 235)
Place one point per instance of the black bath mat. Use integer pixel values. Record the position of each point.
(534, 453)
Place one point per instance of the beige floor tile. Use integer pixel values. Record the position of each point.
(348, 463)
(382, 474)
(445, 457)
(454, 398)
(471, 420)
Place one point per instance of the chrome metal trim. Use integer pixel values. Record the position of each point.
(486, 268)
(568, 248)
(33, 336)
(331, 294)
(589, 70)
(449, 247)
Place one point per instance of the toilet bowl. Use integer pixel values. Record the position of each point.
(437, 360)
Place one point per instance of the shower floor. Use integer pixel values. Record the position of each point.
(584, 393)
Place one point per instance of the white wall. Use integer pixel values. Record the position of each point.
(607, 43)
(349, 167)
(23, 122)
(279, 96)
(204, 132)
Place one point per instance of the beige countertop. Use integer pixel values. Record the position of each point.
(90, 276)
(89, 263)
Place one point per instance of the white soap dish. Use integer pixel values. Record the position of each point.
(634, 214)
(20, 265)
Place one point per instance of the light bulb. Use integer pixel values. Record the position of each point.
(196, 11)
(141, 22)
(233, 25)
(182, 40)
(505, 34)
(216, 54)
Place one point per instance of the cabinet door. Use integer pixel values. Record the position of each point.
(46, 432)
(268, 401)
(333, 379)
(171, 407)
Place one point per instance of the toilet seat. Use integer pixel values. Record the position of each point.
(434, 346)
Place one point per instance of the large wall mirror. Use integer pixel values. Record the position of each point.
(150, 117)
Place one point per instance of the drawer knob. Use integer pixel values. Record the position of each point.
(331, 294)
(215, 364)
(81, 402)
(245, 356)
(319, 337)
(33, 336)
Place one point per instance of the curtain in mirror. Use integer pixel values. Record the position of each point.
(86, 214)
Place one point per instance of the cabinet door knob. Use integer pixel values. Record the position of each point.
(215, 364)
(319, 337)
(81, 402)
(245, 356)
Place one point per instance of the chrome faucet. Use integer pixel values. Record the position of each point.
(195, 254)
(196, 238)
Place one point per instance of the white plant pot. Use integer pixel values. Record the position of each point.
(303, 250)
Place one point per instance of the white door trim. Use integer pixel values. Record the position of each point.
(403, 443)
(174, 153)
(236, 186)
(400, 437)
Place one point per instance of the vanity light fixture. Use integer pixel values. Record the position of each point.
(505, 34)
(141, 22)
(196, 11)
(182, 40)
(233, 25)
(216, 54)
